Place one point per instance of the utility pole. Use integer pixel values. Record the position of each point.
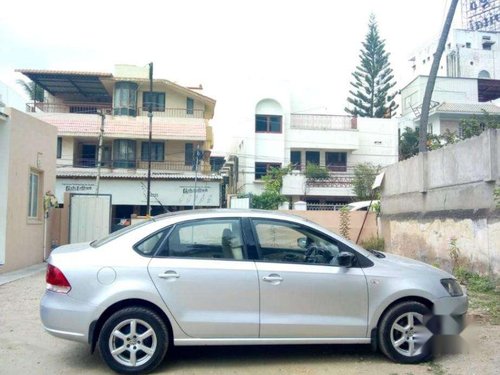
(99, 151)
(150, 115)
(424, 117)
(197, 155)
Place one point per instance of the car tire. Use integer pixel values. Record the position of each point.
(403, 335)
(133, 340)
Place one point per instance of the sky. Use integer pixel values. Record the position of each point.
(221, 44)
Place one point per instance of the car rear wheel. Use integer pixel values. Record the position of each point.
(403, 335)
(133, 340)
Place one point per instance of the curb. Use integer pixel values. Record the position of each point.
(22, 273)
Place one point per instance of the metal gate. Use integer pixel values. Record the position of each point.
(89, 217)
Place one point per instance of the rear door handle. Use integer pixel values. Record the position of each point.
(169, 275)
(273, 278)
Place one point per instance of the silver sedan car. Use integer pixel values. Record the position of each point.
(226, 277)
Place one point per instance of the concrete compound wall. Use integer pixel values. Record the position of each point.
(331, 221)
(434, 198)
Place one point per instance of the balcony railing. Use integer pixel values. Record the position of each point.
(334, 180)
(322, 122)
(166, 166)
(333, 175)
(107, 108)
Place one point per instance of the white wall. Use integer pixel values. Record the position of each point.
(457, 44)
(4, 172)
(446, 89)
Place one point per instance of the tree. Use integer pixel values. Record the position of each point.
(471, 127)
(364, 176)
(271, 198)
(373, 79)
(409, 141)
(31, 89)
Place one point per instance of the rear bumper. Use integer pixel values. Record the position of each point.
(65, 317)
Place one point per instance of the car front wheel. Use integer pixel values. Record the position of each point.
(403, 335)
(133, 340)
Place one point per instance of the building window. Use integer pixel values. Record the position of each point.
(125, 100)
(467, 45)
(336, 161)
(123, 153)
(156, 99)
(59, 147)
(268, 123)
(189, 106)
(261, 169)
(296, 159)
(157, 151)
(188, 154)
(34, 195)
(312, 157)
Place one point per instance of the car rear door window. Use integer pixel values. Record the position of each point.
(207, 238)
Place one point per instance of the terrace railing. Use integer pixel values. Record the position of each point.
(322, 122)
(106, 108)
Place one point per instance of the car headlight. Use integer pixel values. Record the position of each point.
(452, 287)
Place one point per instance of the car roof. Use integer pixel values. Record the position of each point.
(224, 212)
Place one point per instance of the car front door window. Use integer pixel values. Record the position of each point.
(286, 242)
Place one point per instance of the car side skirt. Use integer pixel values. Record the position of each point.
(269, 341)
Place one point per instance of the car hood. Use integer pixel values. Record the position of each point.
(406, 265)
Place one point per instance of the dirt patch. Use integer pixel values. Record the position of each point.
(27, 348)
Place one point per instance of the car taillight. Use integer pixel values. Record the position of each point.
(56, 281)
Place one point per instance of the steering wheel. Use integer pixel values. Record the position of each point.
(315, 254)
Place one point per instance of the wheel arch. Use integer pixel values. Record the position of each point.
(96, 325)
(374, 331)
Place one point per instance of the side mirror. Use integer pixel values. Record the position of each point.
(345, 259)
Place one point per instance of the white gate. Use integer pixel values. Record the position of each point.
(89, 217)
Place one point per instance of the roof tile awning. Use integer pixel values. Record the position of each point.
(82, 125)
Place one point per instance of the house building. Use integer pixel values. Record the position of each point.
(468, 54)
(79, 104)
(27, 172)
(453, 100)
(277, 132)
(467, 84)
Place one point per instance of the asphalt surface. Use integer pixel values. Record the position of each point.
(25, 348)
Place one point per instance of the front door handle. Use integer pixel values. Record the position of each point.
(169, 275)
(273, 278)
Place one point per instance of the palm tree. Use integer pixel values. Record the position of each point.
(31, 89)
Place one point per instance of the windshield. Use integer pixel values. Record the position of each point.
(119, 233)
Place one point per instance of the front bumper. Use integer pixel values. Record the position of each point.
(449, 315)
(65, 317)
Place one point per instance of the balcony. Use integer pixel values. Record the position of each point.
(82, 120)
(322, 122)
(165, 166)
(106, 108)
(334, 183)
(323, 132)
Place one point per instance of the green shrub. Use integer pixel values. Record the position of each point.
(474, 281)
(317, 172)
(374, 243)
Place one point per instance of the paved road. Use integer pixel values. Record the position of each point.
(26, 349)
